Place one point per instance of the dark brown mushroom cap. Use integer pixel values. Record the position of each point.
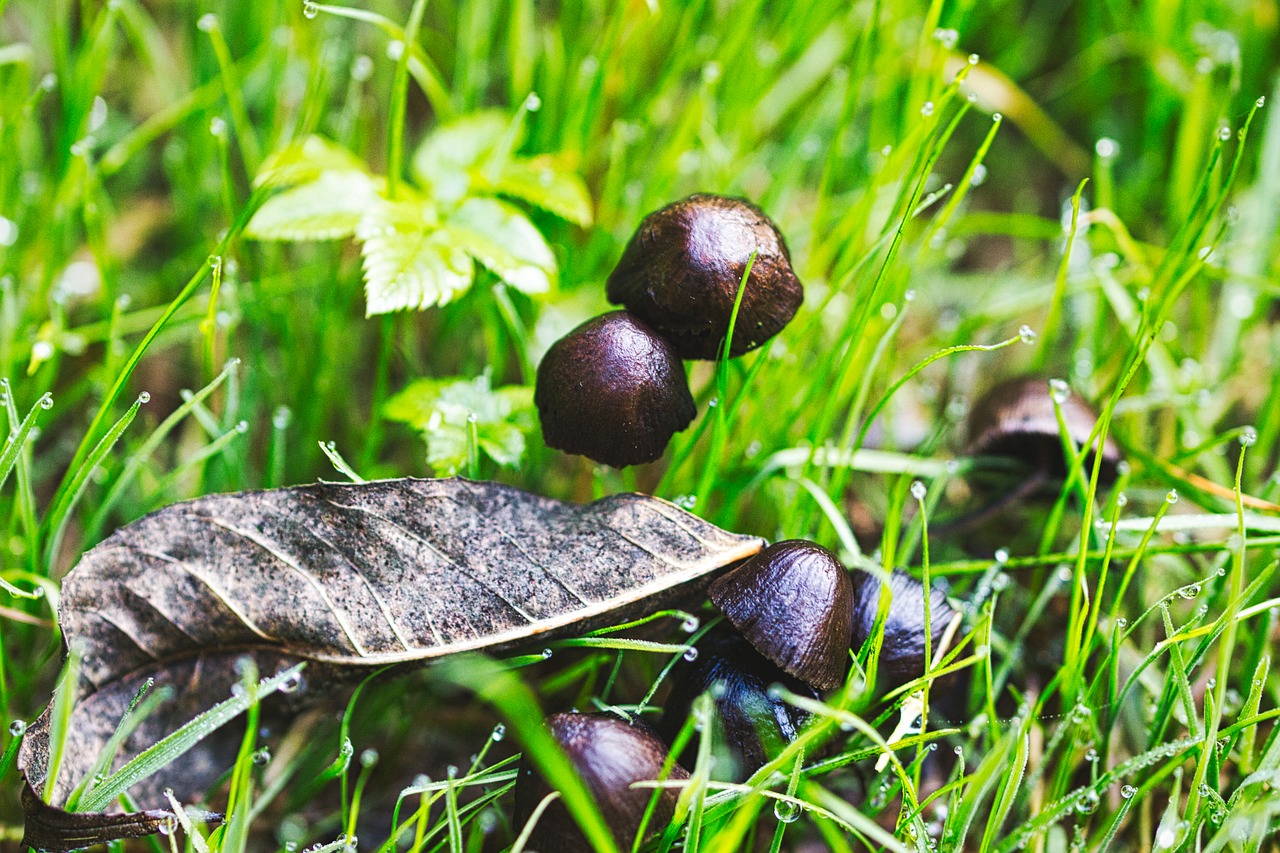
(794, 602)
(1016, 419)
(609, 754)
(754, 725)
(902, 654)
(612, 390)
(681, 271)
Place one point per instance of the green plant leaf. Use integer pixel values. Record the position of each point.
(441, 408)
(542, 183)
(504, 240)
(306, 160)
(444, 162)
(408, 261)
(326, 208)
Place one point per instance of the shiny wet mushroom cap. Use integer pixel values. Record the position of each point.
(681, 272)
(902, 654)
(754, 724)
(794, 602)
(609, 754)
(612, 390)
(1016, 419)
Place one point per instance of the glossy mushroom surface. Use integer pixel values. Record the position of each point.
(794, 602)
(612, 390)
(750, 722)
(902, 654)
(681, 272)
(609, 754)
(1016, 419)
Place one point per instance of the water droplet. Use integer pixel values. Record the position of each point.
(18, 728)
(786, 811)
(1081, 714)
(1261, 102)
(46, 402)
(546, 653)
(690, 624)
(1189, 592)
(979, 176)
(1088, 802)
(687, 502)
(1172, 497)
(1106, 148)
(774, 692)
(144, 397)
(927, 109)
(1248, 436)
(361, 68)
(919, 490)
(533, 103)
(1091, 756)
(309, 10)
(1122, 622)
(208, 23)
(947, 37)
(973, 59)
(395, 50)
(1211, 683)
(499, 732)
(690, 654)
(262, 757)
(1224, 133)
(1128, 791)
(958, 750)
(886, 151)
(292, 683)
(1027, 335)
(1122, 500)
(368, 758)
(997, 117)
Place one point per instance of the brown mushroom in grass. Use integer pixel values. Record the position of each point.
(683, 267)
(902, 652)
(614, 391)
(610, 754)
(794, 602)
(751, 721)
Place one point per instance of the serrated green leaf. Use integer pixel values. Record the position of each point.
(444, 162)
(442, 409)
(305, 160)
(326, 208)
(408, 261)
(499, 236)
(542, 183)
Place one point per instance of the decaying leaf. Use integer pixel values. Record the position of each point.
(347, 578)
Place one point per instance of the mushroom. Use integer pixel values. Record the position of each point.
(683, 267)
(1016, 419)
(902, 653)
(612, 390)
(794, 602)
(609, 754)
(750, 721)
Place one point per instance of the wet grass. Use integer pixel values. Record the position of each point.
(1103, 174)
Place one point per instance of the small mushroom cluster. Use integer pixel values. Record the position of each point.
(613, 389)
(797, 614)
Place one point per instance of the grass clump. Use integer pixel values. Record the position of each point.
(1100, 182)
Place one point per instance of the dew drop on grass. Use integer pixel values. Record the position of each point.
(533, 103)
(1106, 148)
(546, 654)
(1128, 791)
(218, 127)
(309, 10)
(786, 811)
(1088, 802)
(395, 49)
(690, 624)
(368, 758)
(499, 732)
(919, 490)
(144, 397)
(886, 151)
(973, 59)
(1224, 133)
(18, 728)
(1091, 756)
(1190, 592)
(1059, 390)
(997, 117)
(208, 23)
(46, 402)
(690, 654)
(979, 176)
(927, 109)
(291, 683)
(946, 37)
(262, 757)
(686, 501)
(1026, 333)
(1248, 437)
(1122, 500)
(361, 68)
(1172, 497)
